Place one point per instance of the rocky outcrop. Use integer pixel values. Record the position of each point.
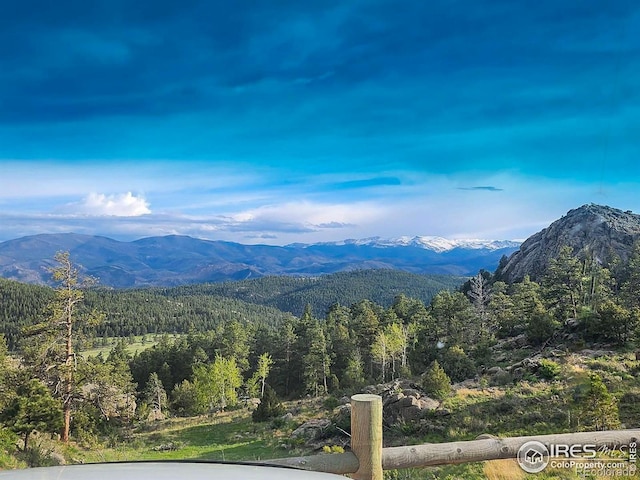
(312, 429)
(403, 401)
(600, 230)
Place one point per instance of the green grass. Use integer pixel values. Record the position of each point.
(230, 436)
(526, 408)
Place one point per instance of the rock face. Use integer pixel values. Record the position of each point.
(602, 230)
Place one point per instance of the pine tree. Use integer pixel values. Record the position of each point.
(436, 382)
(108, 391)
(365, 325)
(269, 407)
(340, 338)
(354, 372)
(184, 399)
(457, 364)
(285, 357)
(501, 312)
(631, 273)
(563, 284)
(317, 362)
(33, 408)
(49, 346)
(540, 325)
(454, 316)
(155, 394)
(5, 372)
(234, 339)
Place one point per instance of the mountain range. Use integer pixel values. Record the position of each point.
(603, 232)
(177, 260)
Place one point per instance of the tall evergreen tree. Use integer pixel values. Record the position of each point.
(354, 372)
(454, 317)
(340, 338)
(563, 284)
(286, 357)
(5, 373)
(540, 325)
(49, 348)
(630, 286)
(316, 362)
(234, 343)
(107, 394)
(501, 312)
(155, 395)
(365, 323)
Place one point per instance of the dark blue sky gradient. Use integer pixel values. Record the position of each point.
(209, 111)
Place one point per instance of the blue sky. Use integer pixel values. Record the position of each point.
(281, 121)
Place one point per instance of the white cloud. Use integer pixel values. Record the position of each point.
(312, 214)
(119, 205)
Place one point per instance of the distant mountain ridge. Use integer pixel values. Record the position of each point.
(604, 232)
(436, 244)
(177, 260)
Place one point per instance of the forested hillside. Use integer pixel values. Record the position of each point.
(488, 332)
(130, 312)
(200, 308)
(293, 294)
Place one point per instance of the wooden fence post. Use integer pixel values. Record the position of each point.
(366, 435)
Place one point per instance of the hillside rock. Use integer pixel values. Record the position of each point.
(403, 401)
(311, 429)
(601, 230)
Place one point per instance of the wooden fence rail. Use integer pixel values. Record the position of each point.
(368, 459)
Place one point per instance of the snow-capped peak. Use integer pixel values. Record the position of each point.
(436, 244)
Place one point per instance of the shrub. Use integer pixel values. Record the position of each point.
(548, 369)
(332, 449)
(38, 456)
(598, 408)
(457, 364)
(331, 402)
(270, 406)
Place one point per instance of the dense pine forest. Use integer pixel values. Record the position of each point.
(202, 308)
(216, 346)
